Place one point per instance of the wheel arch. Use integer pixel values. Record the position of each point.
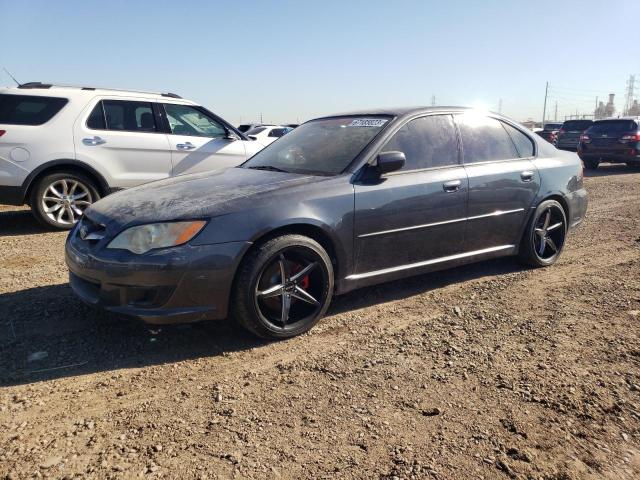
(63, 165)
(561, 200)
(309, 229)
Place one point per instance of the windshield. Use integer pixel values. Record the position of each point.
(576, 125)
(324, 147)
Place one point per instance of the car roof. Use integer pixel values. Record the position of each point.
(398, 112)
(613, 119)
(47, 89)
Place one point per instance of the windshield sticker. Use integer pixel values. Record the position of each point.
(368, 122)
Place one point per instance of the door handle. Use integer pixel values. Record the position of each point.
(526, 176)
(185, 146)
(93, 141)
(452, 186)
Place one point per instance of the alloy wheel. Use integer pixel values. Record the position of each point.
(549, 233)
(65, 200)
(291, 288)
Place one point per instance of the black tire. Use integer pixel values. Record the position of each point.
(65, 202)
(591, 164)
(259, 310)
(544, 238)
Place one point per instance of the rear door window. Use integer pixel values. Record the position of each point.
(426, 142)
(29, 109)
(129, 116)
(484, 139)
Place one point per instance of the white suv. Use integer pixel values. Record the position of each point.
(62, 148)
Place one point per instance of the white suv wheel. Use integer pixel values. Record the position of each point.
(65, 200)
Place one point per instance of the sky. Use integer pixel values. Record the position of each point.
(294, 60)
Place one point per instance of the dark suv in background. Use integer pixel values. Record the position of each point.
(568, 136)
(615, 140)
(550, 131)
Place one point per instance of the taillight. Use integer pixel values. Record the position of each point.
(2, 132)
(585, 138)
(630, 137)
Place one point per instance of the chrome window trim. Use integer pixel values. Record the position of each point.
(359, 276)
(445, 222)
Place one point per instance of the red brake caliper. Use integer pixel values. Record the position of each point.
(305, 281)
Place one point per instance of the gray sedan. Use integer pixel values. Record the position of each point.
(340, 203)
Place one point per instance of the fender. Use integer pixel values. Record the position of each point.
(102, 183)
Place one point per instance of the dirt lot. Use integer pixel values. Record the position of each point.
(487, 371)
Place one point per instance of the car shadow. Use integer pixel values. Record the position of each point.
(46, 333)
(608, 169)
(19, 222)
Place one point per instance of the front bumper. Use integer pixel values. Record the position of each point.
(173, 285)
(577, 202)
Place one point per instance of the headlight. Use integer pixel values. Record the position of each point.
(143, 238)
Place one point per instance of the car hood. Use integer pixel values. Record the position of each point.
(203, 195)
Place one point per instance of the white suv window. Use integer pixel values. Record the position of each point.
(123, 115)
(187, 120)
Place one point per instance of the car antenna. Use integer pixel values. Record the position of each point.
(12, 77)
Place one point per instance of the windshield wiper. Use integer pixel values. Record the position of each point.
(271, 168)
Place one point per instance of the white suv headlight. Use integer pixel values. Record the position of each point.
(143, 238)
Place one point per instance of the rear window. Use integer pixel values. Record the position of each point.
(576, 125)
(552, 126)
(613, 126)
(29, 109)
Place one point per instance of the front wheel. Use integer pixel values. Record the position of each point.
(283, 287)
(58, 200)
(545, 235)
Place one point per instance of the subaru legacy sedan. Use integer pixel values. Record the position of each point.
(339, 203)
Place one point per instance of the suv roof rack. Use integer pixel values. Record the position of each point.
(49, 85)
(35, 85)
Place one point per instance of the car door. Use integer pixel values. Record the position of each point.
(199, 141)
(503, 181)
(415, 214)
(123, 138)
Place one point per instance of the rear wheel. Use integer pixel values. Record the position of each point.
(58, 200)
(545, 235)
(591, 164)
(283, 287)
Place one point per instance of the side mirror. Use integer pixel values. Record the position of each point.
(390, 162)
(230, 136)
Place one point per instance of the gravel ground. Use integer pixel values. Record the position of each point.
(486, 371)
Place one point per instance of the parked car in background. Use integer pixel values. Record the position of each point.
(568, 137)
(245, 127)
(549, 132)
(62, 148)
(614, 140)
(267, 134)
(339, 203)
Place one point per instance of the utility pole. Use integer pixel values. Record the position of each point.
(500, 106)
(555, 115)
(433, 100)
(261, 117)
(629, 101)
(544, 109)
